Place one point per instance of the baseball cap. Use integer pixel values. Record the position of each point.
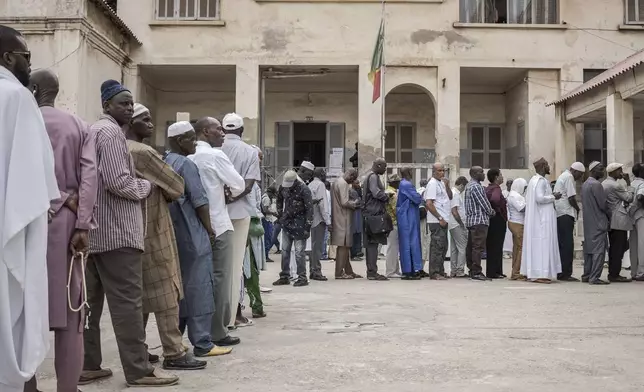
(232, 121)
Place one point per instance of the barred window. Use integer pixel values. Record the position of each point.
(187, 9)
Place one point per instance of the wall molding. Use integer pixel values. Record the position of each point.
(48, 26)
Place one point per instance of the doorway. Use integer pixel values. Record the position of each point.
(309, 143)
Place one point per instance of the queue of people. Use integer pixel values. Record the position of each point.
(178, 235)
(184, 235)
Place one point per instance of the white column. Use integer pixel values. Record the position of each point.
(247, 99)
(448, 117)
(369, 121)
(619, 130)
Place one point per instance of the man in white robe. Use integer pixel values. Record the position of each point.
(27, 185)
(540, 261)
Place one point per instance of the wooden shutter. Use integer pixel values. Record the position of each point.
(283, 149)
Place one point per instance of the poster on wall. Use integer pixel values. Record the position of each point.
(336, 160)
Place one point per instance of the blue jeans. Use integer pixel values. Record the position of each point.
(198, 332)
(275, 241)
(356, 248)
(300, 256)
(325, 246)
(268, 235)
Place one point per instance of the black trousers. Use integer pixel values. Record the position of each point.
(494, 245)
(565, 234)
(618, 240)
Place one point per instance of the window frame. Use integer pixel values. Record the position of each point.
(197, 9)
(398, 150)
(486, 143)
(509, 6)
(639, 20)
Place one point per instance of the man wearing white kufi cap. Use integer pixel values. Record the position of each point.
(567, 212)
(618, 200)
(540, 261)
(305, 172)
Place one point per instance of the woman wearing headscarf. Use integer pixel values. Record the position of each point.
(516, 218)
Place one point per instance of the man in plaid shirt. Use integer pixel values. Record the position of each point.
(477, 219)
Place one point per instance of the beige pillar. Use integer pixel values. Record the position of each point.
(369, 121)
(247, 99)
(542, 128)
(619, 130)
(565, 146)
(448, 117)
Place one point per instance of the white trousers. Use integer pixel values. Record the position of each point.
(238, 243)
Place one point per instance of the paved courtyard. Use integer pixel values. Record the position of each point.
(454, 335)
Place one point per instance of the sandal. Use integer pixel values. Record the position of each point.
(244, 322)
(345, 277)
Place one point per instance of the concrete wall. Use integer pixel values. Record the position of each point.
(77, 41)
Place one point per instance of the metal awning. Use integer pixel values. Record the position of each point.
(624, 66)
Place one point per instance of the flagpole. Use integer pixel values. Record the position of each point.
(383, 130)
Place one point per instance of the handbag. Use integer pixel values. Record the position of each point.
(380, 224)
(256, 229)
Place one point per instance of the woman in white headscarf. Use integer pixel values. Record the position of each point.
(516, 218)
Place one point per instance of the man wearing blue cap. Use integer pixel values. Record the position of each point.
(114, 268)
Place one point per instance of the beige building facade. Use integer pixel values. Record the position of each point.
(466, 82)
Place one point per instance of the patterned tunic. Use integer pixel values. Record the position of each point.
(162, 286)
(295, 209)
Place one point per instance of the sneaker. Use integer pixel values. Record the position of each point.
(155, 379)
(187, 362)
(300, 283)
(265, 290)
(259, 314)
(90, 376)
(357, 258)
(394, 276)
(282, 282)
(214, 352)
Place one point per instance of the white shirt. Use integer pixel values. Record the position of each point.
(459, 203)
(216, 170)
(436, 191)
(245, 159)
(566, 186)
(516, 208)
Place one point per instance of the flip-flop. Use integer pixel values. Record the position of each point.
(247, 323)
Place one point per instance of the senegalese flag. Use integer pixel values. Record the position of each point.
(375, 76)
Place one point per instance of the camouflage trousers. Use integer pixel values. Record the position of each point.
(437, 248)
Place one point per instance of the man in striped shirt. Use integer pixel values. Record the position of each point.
(115, 247)
(477, 219)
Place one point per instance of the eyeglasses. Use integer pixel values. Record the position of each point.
(26, 55)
